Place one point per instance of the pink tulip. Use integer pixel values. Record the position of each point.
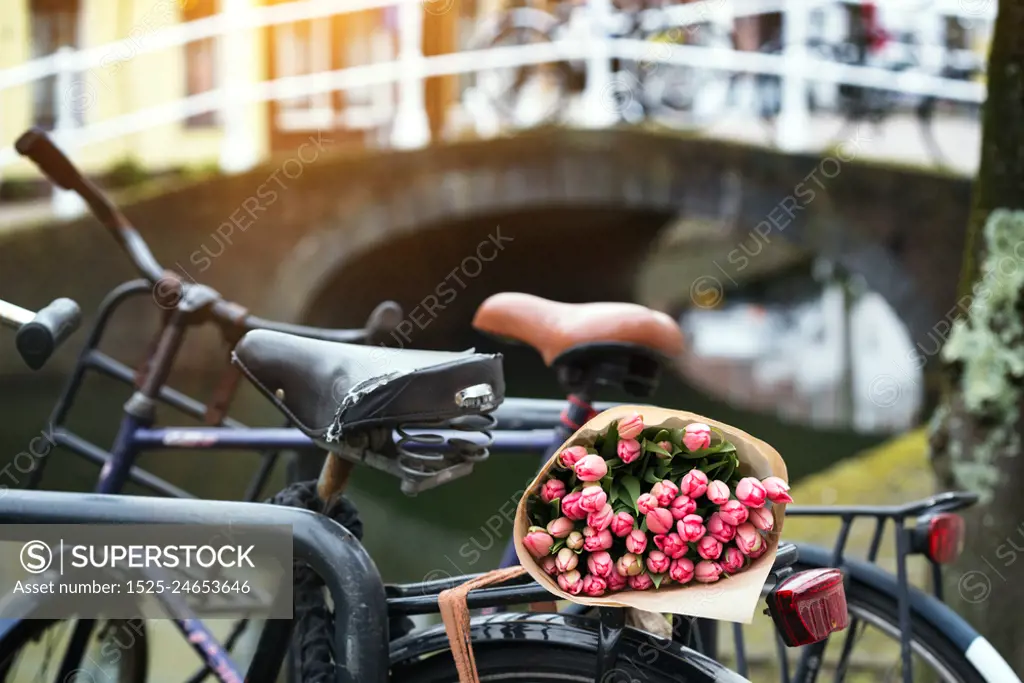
(750, 492)
(628, 450)
(719, 529)
(591, 468)
(571, 455)
(616, 581)
(707, 571)
(593, 498)
(571, 582)
(600, 563)
(691, 528)
(574, 540)
(750, 542)
(645, 503)
(733, 512)
(601, 519)
(733, 560)
(641, 582)
(776, 489)
(630, 427)
(594, 540)
(636, 542)
(622, 524)
(665, 491)
(560, 527)
(762, 519)
(553, 489)
(659, 521)
(696, 436)
(538, 542)
(548, 565)
(667, 447)
(682, 506)
(708, 547)
(571, 506)
(718, 492)
(671, 544)
(594, 586)
(681, 570)
(694, 484)
(657, 562)
(629, 565)
(566, 560)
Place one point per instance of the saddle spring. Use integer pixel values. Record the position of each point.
(422, 454)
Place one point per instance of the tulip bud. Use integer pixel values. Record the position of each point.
(659, 521)
(594, 586)
(560, 527)
(671, 544)
(709, 548)
(571, 455)
(718, 492)
(594, 540)
(591, 468)
(636, 542)
(571, 506)
(566, 560)
(749, 540)
(641, 582)
(682, 506)
(720, 529)
(665, 491)
(691, 528)
(750, 492)
(538, 542)
(601, 519)
(593, 498)
(733, 512)
(630, 427)
(645, 503)
(574, 540)
(696, 436)
(762, 519)
(548, 565)
(681, 570)
(600, 563)
(616, 581)
(628, 450)
(776, 490)
(629, 565)
(658, 562)
(707, 571)
(552, 489)
(622, 524)
(667, 447)
(694, 484)
(571, 582)
(733, 560)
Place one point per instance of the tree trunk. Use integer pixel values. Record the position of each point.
(976, 434)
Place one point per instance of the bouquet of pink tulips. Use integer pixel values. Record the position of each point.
(658, 505)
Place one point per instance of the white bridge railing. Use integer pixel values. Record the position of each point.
(407, 122)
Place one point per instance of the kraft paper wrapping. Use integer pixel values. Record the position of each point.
(731, 599)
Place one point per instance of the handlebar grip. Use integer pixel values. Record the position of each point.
(37, 340)
(37, 146)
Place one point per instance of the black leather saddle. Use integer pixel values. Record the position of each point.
(327, 388)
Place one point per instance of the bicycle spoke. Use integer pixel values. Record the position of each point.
(851, 639)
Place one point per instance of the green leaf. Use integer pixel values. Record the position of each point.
(651, 476)
(631, 485)
(611, 442)
(657, 579)
(643, 524)
(676, 436)
(557, 546)
(662, 435)
(728, 447)
(653, 447)
(556, 508)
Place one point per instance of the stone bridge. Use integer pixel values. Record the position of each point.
(321, 236)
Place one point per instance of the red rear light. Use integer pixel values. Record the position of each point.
(945, 537)
(808, 606)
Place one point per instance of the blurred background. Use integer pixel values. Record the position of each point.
(804, 224)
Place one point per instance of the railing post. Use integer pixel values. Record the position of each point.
(66, 204)
(599, 107)
(238, 151)
(794, 118)
(411, 129)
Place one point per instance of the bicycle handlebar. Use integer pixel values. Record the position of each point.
(37, 146)
(40, 334)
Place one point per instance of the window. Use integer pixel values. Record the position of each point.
(200, 61)
(54, 25)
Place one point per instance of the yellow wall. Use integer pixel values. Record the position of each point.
(126, 81)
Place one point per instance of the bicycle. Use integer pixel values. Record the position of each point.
(385, 427)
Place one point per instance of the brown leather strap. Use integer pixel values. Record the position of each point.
(455, 614)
